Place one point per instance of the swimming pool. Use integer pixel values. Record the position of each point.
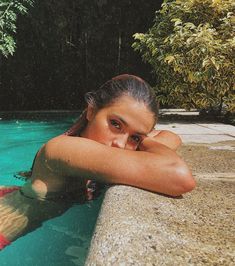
(62, 241)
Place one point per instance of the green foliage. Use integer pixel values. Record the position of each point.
(191, 48)
(9, 10)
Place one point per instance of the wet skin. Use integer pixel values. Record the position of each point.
(123, 124)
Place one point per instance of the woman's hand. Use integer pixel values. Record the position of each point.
(166, 137)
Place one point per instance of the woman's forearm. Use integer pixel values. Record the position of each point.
(155, 167)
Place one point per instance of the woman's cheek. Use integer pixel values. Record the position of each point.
(105, 135)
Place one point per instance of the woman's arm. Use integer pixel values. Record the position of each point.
(155, 167)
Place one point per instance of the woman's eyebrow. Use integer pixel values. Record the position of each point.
(126, 124)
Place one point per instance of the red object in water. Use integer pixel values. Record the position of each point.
(4, 191)
(3, 242)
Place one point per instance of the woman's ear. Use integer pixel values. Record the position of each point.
(90, 112)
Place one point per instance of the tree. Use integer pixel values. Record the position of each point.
(65, 48)
(191, 48)
(9, 9)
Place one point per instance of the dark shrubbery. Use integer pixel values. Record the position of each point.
(65, 48)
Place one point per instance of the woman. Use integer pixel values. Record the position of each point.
(113, 142)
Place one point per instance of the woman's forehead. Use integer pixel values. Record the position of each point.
(134, 113)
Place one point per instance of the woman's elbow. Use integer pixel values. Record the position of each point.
(184, 180)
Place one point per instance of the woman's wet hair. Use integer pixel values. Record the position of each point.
(113, 89)
(118, 86)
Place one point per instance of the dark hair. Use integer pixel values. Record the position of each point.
(118, 86)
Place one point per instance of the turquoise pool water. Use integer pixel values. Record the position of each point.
(62, 241)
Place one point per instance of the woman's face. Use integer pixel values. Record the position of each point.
(122, 124)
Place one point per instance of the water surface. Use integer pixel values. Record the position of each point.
(62, 241)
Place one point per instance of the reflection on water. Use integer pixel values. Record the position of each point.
(63, 240)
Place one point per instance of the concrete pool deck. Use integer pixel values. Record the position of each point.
(136, 227)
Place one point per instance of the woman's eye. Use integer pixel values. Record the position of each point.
(115, 124)
(136, 139)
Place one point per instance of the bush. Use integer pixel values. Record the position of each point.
(191, 48)
(9, 9)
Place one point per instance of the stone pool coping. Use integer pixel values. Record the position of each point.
(136, 227)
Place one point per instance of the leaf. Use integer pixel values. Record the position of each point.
(168, 59)
(177, 21)
(201, 34)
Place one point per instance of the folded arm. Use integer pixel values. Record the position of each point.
(155, 167)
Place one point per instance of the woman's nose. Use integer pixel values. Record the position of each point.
(120, 142)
